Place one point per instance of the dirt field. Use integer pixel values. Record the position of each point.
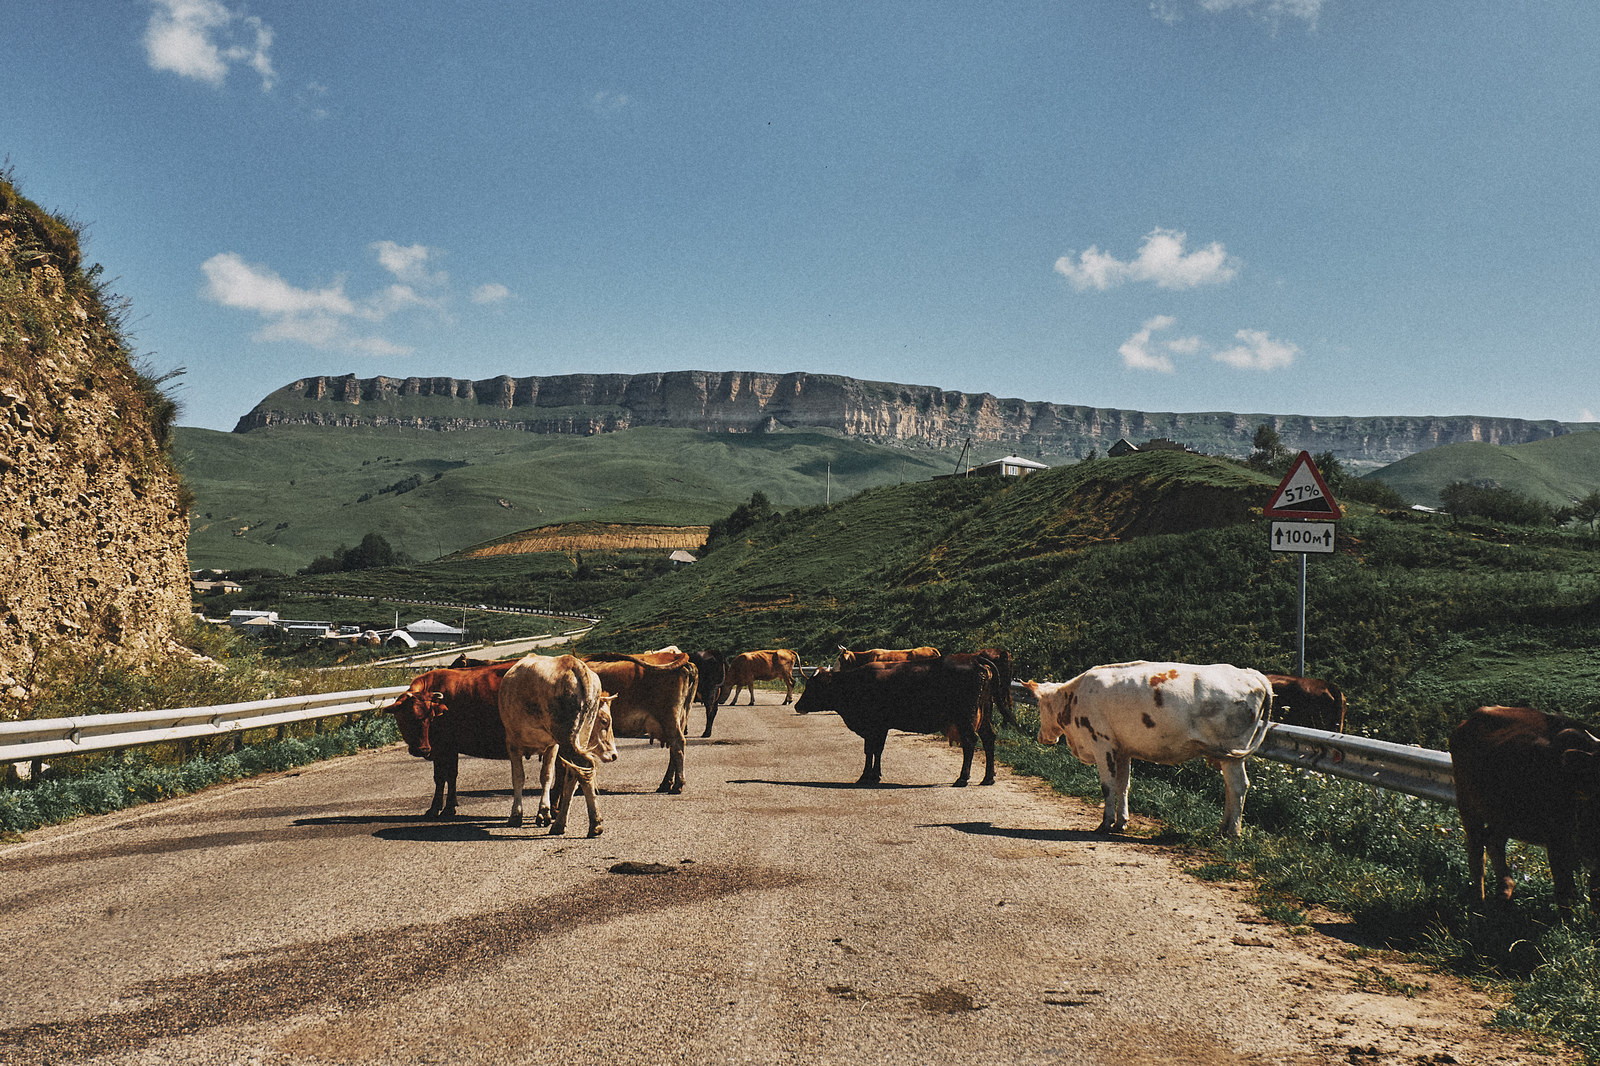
(590, 536)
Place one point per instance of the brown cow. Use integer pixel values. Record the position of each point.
(1307, 701)
(555, 702)
(1524, 774)
(849, 660)
(653, 694)
(447, 714)
(748, 667)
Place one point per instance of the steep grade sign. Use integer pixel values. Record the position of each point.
(1303, 494)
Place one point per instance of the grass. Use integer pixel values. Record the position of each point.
(278, 497)
(1555, 471)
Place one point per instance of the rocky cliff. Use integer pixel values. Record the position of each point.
(753, 402)
(93, 520)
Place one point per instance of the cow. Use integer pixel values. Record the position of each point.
(1307, 701)
(556, 703)
(449, 713)
(848, 660)
(654, 692)
(748, 667)
(1524, 774)
(928, 696)
(713, 671)
(1159, 712)
(999, 660)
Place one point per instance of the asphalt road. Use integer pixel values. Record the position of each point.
(312, 917)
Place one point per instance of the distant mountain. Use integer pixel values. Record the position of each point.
(1556, 471)
(876, 411)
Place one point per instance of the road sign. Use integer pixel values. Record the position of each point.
(1303, 494)
(1302, 537)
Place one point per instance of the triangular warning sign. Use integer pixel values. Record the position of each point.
(1303, 494)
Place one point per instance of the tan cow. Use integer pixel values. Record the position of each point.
(553, 707)
(748, 667)
(850, 659)
(654, 692)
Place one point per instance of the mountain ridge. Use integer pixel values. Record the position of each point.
(882, 412)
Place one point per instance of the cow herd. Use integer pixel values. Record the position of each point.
(1519, 773)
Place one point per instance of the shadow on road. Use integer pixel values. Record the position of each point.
(1053, 836)
(825, 784)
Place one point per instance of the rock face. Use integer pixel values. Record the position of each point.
(753, 402)
(93, 520)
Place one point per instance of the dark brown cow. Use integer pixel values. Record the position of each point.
(447, 714)
(713, 671)
(927, 696)
(653, 694)
(849, 660)
(1527, 775)
(748, 667)
(1307, 701)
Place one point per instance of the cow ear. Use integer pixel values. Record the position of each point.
(1582, 765)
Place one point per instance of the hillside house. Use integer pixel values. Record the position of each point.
(1009, 466)
(427, 631)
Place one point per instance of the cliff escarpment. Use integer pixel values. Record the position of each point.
(93, 518)
(882, 412)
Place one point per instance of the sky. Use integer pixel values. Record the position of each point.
(1326, 207)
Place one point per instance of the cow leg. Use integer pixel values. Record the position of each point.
(788, 689)
(872, 746)
(1115, 771)
(752, 694)
(550, 777)
(711, 716)
(1475, 832)
(1235, 785)
(573, 779)
(1563, 864)
(439, 780)
(673, 782)
(986, 732)
(1495, 844)
(518, 779)
(448, 763)
(969, 742)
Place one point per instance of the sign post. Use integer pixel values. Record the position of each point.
(1303, 497)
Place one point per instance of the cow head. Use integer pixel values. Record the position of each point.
(1052, 700)
(847, 658)
(814, 697)
(1580, 762)
(602, 739)
(413, 714)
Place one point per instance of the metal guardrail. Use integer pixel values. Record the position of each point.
(1420, 772)
(54, 737)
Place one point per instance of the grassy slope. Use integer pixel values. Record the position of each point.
(1556, 471)
(298, 489)
(1155, 557)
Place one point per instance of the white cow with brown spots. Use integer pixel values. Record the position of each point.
(553, 705)
(1162, 713)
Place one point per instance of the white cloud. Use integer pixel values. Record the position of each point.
(606, 101)
(409, 264)
(1136, 350)
(1162, 260)
(1273, 12)
(232, 282)
(1258, 352)
(1586, 415)
(203, 39)
(491, 293)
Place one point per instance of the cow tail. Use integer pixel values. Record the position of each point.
(583, 773)
(1257, 735)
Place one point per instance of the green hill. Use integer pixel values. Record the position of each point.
(1154, 556)
(278, 497)
(1556, 471)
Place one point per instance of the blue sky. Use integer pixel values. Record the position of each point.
(1339, 207)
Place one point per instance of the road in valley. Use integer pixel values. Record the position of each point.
(313, 917)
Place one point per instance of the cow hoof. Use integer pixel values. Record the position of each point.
(430, 813)
(596, 830)
(961, 782)
(558, 830)
(514, 822)
(988, 780)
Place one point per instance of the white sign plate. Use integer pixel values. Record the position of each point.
(1302, 537)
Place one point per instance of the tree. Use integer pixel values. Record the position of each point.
(1588, 509)
(1269, 451)
(758, 509)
